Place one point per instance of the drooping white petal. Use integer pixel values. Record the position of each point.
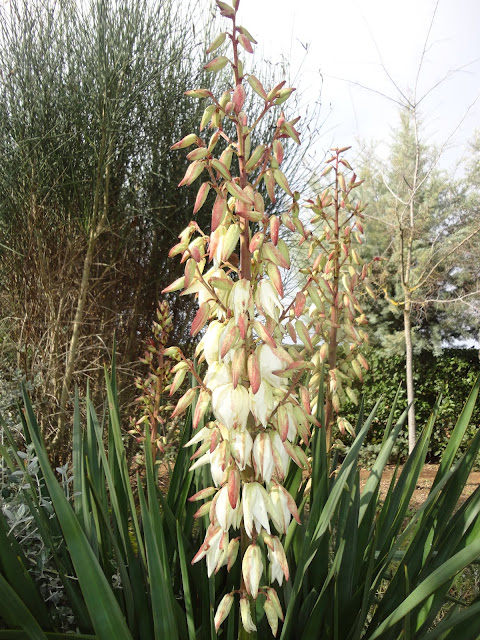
(254, 508)
(262, 403)
(217, 375)
(230, 405)
(266, 299)
(252, 569)
(262, 455)
(269, 362)
(241, 444)
(278, 444)
(240, 298)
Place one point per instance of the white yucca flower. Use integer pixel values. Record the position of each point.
(268, 363)
(266, 299)
(230, 405)
(262, 403)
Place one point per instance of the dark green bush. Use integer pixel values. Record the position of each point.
(452, 374)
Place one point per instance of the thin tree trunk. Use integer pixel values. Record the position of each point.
(409, 374)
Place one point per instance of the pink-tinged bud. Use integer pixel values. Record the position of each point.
(238, 366)
(203, 510)
(202, 494)
(257, 86)
(177, 381)
(281, 180)
(184, 402)
(178, 284)
(270, 185)
(291, 132)
(243, 325)
(218, 211)
(172, 352)
(197, 154)
(305, 398)
(273, 92)
(282, 422)
(275, 255)
(237, 192)
(255, 157)
(246, 615)
(216, 64)
(192, 173)
(271, 616)
(201, 197)
(263, 334)
(238, 97)
(219, 40)
(190, 270)
(296, 454)
(275, 277)
(232, 552)
(278, 151)
(251, 216)
(245, 42)
(226, 157)
(230, 242)
(300, 302)
(176, 249)
(253, 369)
(234, 483)
(199, 93)
(274, 228)
(362, 361)
(257, 241)
(229, 341)
(225, 9)
(252, 569)
(291, 332)
(221, 168)
(195, 253)
(185, 142)
(283, 95)
(304, 336)
(223, 610)
(200, 319)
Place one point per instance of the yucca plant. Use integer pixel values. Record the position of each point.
(345, 566)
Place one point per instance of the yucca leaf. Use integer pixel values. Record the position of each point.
(464, 624)
(160, 588)
(186, 585)
(16, 614)
(14, 569)
(447, 571)
(458, 433)
(106, 615)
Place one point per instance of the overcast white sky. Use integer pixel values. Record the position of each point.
(345, 39)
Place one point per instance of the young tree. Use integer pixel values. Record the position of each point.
(424, 233)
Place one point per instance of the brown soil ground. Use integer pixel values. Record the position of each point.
(424, 483)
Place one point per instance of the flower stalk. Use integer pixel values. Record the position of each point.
(257, 348)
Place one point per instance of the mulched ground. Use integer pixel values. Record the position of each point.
(424, 483)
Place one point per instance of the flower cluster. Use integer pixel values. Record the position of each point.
(257, 345)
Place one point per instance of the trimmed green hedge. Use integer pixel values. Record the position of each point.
(453, 374)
